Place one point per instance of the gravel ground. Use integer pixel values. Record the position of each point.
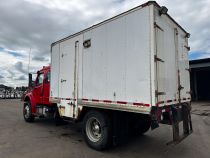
(42, 138)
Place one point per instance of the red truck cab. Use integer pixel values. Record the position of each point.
(36, 97)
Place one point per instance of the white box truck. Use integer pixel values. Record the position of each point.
(128, 72)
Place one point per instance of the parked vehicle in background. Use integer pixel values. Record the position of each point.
(127, 73)
(11, 92)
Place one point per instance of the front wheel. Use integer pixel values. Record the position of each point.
(97, 130)
(27, 114)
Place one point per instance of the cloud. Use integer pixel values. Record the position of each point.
(33, 25)
(19, 67)
(16, 54)
(12, 52)
(39, 58)
(12, 74)
(21, 78)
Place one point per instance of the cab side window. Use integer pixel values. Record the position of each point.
(39, 80)
(47, 79)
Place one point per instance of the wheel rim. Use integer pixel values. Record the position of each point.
(93, 129)
(26, 111)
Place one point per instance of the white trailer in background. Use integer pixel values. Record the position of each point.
(134, 64)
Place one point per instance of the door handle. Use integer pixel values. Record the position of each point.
(63, 80)
(180, 87)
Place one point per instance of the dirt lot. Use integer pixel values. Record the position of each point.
(42, 138)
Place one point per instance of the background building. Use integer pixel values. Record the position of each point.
(200, 79)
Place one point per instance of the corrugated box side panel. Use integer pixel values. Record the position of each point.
(117, 65)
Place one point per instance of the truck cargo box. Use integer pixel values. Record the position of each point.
(132, 62)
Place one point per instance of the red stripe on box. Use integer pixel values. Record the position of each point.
(107, 101)
(95, 100)
(138, 104)
(146, 105)
(121, 102)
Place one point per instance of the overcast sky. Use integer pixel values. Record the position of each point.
(35, 24)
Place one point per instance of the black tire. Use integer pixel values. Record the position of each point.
(27, 113)
(97, 130)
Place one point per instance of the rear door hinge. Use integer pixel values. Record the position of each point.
(180, 87)
(189, 92)
(156, 25)
(188, 69)
(159, 93)
(187, 47)
(158, 59)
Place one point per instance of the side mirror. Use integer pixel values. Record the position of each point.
(30, 81)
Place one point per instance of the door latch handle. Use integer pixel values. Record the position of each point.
(63, 80)
(158, 59)
(180, 87)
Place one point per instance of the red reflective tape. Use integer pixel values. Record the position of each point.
(121, 102)
(107, 101)
(146, 105)
(138, 104)
(118, 102)
(160, 102)
(95, 100)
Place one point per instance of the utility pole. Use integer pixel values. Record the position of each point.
(29, 60)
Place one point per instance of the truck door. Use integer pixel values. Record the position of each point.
(183, 65)
(160, 65)
(68, 76)
(46, 88)
(38, 88)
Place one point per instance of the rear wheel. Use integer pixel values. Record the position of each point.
(27, 113)
(97, 130)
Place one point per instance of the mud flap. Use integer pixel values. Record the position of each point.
(180, 114)
(173, 115)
